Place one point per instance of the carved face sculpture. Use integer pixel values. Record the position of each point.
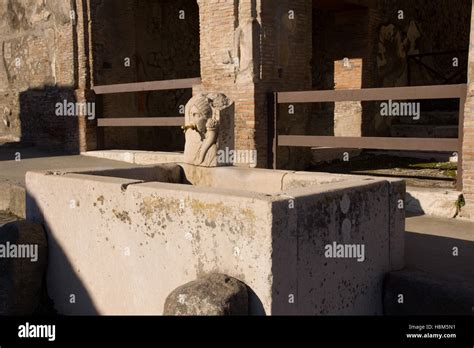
(198, 112)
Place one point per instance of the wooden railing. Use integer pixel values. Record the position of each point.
(143, 87)
(373, 94)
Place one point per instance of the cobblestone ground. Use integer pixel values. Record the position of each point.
(6, 218)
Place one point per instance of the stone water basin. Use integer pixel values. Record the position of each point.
(120, 240)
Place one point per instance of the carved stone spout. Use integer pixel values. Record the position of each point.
(208, 125)
(185, 128)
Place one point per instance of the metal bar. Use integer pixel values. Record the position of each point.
(100, 134)
(462, 105)
(427, 67)
(459, 72)
(409, 70)
(437, 53)
(141, 122)
(374, 94)
(380, 143)
(147, 86)
(276, 107)
(270, 127)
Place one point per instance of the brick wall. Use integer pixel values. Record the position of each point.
(468, 146)
(426, 27)
(341, 60)
(160, 46)
(38, 67)
(250, 48)
(219, 22)
(87, 131)
(286, 66)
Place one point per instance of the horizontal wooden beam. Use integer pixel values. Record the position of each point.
(415, 144)
(147, 86)
(374, 94)
(141, 122)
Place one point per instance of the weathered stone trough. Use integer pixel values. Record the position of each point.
(121, 240)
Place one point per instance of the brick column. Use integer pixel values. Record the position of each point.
(286, 66)
(227, 56)
(468, 143)
(87, 130)
(352, 54)
(250, 48)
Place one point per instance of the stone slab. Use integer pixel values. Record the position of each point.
(137, 157)
(434, 202)
(144, 239)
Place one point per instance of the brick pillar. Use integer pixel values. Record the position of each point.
(468, 143)
(351, 43)
(228, 49)
(286, 66)
(87, 130)
(371, 111)
(250, 48)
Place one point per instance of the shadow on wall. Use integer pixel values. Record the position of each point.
(341, 51)
(67, 279)
(160, 45)
(308, 281)
(377, 44)
(42, 124)
(79, 301)
(339, 61)
(322, 73)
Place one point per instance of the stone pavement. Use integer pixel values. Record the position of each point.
(439, 246)
(438, 278)
(12, 172)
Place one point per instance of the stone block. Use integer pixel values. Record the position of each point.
(151, 237)
(434, 202)
(211, 295)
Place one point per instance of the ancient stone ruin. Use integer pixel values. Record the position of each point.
(279, 232)
(236, 157)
